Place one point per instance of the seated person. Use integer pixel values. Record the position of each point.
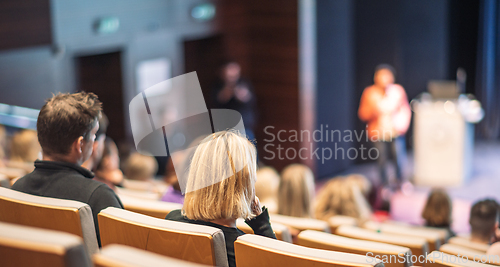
(139, 173)
(107, 170)
(483, 221)
(229, 195)
(98, 147)
(67, 125)
(266, 188)
(296, 191)
(24, 150)
(342, 196)
(437, 210)
(173, 192)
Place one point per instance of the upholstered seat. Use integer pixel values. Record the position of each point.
(49, 213)
(121, 192)
(441, 259)
(466, 243)
(191, 242)
(125, 256)
(433, 238)
(254, 250)
(338, 220)
(471, 254)
(443, 233)
(301, 223)
(154, 208)
(396, 255)
(30, 246)
(417, 245)
(280, 230)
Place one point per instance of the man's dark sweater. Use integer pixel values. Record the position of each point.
(260, 225)
(68, 181)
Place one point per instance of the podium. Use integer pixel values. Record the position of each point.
(443, 143)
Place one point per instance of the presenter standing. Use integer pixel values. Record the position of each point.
(384, 107)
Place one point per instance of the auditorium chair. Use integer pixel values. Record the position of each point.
(433, 238)
(30, 246)
(154, 208)
(49, 213)
(443, 233)
(300, 223)
(338, 220)
(124, 256)
(280, 230)
(254, 250)
(440, 259)
(399, 256)
(472, 254)
(4, 181)
(466, 243)
(137, 194)
(417, 245)
(190, 242)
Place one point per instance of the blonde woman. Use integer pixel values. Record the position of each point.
(221, 188)
(266, 188)
(342, 196)
(296, 191)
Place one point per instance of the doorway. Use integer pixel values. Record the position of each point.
(102, 74)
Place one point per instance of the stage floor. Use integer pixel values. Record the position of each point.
(407, 205)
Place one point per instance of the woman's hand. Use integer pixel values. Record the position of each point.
(256, 208)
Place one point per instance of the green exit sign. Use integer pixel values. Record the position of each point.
(107, 25)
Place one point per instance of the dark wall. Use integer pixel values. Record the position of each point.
(335, 68)
(263, 36)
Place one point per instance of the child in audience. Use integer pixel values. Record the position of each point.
(437, 211)
(483, 221)
(173, 192)
(217, 193)
(107, 170)
(296, 191)
(266, 188)
(342, 196)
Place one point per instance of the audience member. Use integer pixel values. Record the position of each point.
(67, 125)
(266, 188)
(342, 196)
(107, 169)
(437, 210)
(24, 150)
(139, 173)
(173, 192)
(296, 191)
(3, 144)
(483, 221)
(98, 147)
(230, 193)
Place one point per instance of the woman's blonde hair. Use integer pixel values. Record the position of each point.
(296, 191)
(437, 211)
(24, 146)
(342, 196)
(221, 178)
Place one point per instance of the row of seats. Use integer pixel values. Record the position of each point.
(203, 244)
(29, 246)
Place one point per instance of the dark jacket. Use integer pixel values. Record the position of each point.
(68, 181)
(260, 225)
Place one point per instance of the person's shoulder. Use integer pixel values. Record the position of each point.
(494, 249)
(175, 215)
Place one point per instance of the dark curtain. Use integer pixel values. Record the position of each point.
(488, 68)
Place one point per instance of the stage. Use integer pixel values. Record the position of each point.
(407, 204)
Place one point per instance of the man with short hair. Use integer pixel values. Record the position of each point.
(67, 125)
(483, 221)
